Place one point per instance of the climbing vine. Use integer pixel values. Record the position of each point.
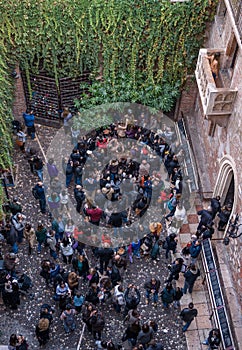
(140, 50)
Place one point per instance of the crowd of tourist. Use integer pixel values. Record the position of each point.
(115, 199)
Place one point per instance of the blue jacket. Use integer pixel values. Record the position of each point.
(28, 119)
(195, 250)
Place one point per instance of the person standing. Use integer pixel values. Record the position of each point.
(42, 331)
(132, 298)
(213, 340)
(190, 277)
(14, 206)
(215, 205)
(41, 234)
(19, 221)
(145, 335)
(98, 322)
(29, 235)
(66, 250)
(66, 115)
(224, 215)
(152, 288)
(38, 165)
(21, 139)
(12, 342)
(214, 63)
(195, 250)
(167, 295)
(39, 193)
(171, 205)
(177, 297)
(68, 318)
(188, 314)
(79, 197)
(29, 123)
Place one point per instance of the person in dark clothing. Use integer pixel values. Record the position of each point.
(208, 232)
(206, 218)
(215, 206)
(105, 254)
(190, 277)
(98, 322)
(14, 206)
(38, 165)
(93, 276)
(170, 244)
(92, 294)
(42, 331)
(213, 340)
(188, 314)
(177, 297)
(167, 295)
(152, 287)
(114, 274)
(175, 269)
(22, 343)
(41, 196)
(79, 197)
(131, 333)
(224, 217)
(132, 298)
(46, 311)
(87, 309)
(69, 171)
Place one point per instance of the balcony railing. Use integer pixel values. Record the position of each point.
(217, 102)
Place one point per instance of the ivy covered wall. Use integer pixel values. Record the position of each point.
(141, 50)
(137, 50)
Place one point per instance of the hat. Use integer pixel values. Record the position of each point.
(78, 187)
(108, 185)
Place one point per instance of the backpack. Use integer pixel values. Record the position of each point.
(120, 299)
(171, 203)
(69, 318)
(35, 193)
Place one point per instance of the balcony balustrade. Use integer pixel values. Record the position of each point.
(217, 101)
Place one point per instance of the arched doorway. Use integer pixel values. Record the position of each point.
(227, 183)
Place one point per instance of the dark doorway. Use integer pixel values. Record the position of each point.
(229, 196)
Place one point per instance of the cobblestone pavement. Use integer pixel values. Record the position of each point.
(25, 318)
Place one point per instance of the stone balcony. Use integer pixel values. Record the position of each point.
(216, 98)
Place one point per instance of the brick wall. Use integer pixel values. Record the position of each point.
(226, 141)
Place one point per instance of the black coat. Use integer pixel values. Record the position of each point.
(43, 336)
(149, 286)
(188, 315)
(191, 276)
(105, 254)
(132, 301)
